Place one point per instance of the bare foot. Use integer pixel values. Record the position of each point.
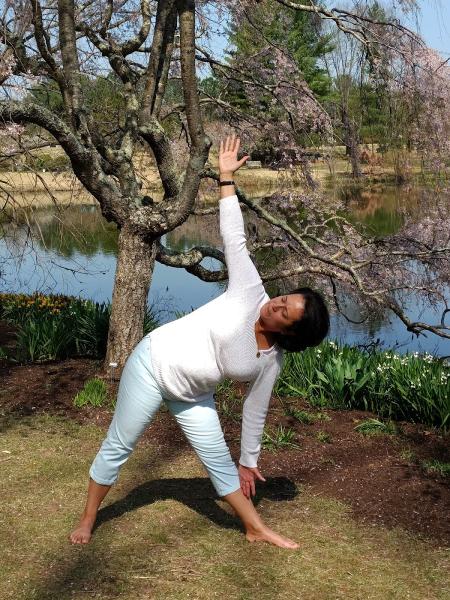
(82, 534)
(267, 535)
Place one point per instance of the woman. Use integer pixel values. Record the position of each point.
(240, 335)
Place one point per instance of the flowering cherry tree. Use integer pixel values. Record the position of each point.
(147, 45)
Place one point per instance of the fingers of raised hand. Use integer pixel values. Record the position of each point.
(231, 144)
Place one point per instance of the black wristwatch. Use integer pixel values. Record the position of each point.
(221, 183)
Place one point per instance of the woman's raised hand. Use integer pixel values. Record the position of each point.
(228, 162)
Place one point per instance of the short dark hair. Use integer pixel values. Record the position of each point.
(313, 326)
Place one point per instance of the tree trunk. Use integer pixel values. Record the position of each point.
(135, 262)
(351, 143)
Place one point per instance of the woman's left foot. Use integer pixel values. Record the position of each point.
(82, 534)
(269, 536)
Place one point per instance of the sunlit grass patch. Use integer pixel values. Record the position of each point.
(407, 454)
(304, 416)
(229, 401)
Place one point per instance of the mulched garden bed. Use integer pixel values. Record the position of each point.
(380, 477)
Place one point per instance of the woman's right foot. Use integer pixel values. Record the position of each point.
(269, 536)
(82, 534)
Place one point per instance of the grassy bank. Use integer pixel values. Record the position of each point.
(52, 177)
(161, 535)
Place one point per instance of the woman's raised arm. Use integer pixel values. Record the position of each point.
(242, 272)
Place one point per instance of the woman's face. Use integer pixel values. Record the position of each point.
(281, 312)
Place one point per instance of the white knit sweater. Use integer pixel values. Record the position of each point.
(191, 355)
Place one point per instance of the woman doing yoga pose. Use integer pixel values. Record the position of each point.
(240, 335)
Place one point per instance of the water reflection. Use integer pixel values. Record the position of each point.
(74, 250)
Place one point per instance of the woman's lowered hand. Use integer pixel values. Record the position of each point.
(247, 477)
(228, 162)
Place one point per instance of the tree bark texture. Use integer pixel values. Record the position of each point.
(135, 263)
(351, 143)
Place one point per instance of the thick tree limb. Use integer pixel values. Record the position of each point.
(156, 74)
(84, 162)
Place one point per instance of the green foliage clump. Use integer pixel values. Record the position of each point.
(324, 437)
(49, 162)
(301, 415)
(281, 437)
(51, 327)
(304, 416)
(436, 466)
(410, 387)
(94, 393)
(375, 426)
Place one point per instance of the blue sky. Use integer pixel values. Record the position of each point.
(434, 24)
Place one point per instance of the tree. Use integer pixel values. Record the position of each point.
(65, 40)
(268, 28)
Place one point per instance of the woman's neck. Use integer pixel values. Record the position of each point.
(265, 339)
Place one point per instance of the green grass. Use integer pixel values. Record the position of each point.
(281, 437)
(407, 454)
(375, 427)
(304, 416)
(324, 437)
(436, 466)
(94, 393)
(158, 538)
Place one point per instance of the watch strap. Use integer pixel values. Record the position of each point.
(221, 183)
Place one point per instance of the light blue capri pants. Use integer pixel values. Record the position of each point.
(138, 399)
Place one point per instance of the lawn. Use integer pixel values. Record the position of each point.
(161, 534)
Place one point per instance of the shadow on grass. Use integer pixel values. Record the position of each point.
(77, 572)
(198, 494)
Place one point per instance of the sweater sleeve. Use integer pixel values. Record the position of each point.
(254, 412)
(241, 270)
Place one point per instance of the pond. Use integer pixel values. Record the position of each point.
(73, 252)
